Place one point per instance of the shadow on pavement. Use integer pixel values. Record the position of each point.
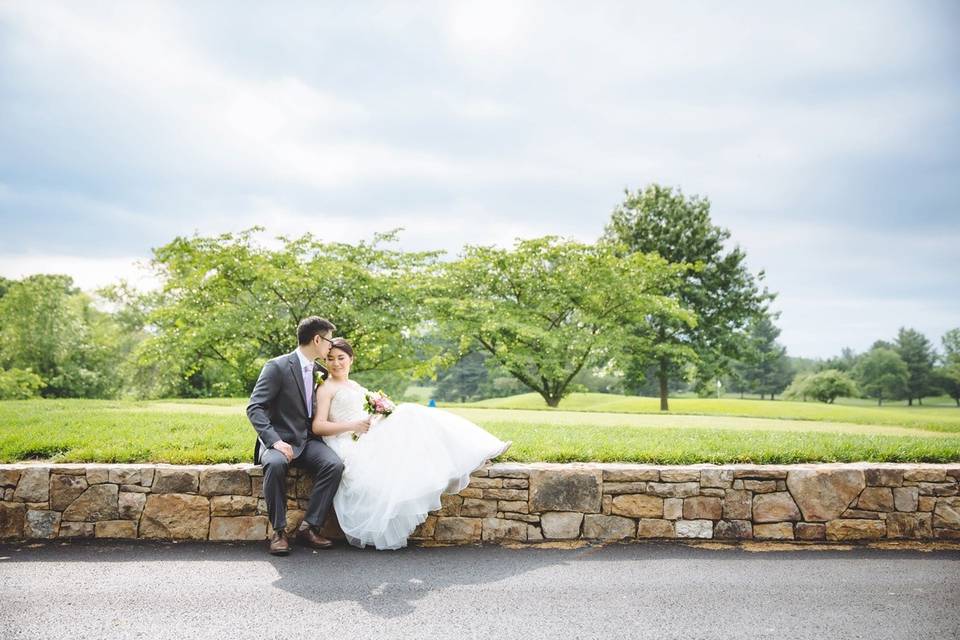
(384, 583)
(387, 584)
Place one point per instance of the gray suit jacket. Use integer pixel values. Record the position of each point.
(277, 408)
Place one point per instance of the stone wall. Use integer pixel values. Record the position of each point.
(506, 503)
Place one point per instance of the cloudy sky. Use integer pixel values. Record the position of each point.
(825, 135)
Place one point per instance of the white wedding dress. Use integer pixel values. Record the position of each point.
(395, 473)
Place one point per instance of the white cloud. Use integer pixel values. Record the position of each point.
(447, 229)
(841, 286)
(488, 28)
(210, 118)
(433, 231)
(822, 325)
(87, 273)
(481, 122)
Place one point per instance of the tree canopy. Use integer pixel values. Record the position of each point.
(229, 303)
(882, 374)
(714, 285)
(548, 307)
(763, 367)
(825, 386)
(917, 352)
(52, 330)
(947, 376)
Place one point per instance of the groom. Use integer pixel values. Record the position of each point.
(281, 409)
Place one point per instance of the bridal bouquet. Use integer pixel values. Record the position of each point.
(379, 404)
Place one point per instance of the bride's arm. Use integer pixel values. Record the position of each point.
(323, 427)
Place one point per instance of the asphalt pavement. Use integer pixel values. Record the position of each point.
(139, 589)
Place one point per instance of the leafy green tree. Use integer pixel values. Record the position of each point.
(49, 327)
(37, 324)
(548, 308)
(735, 382)
(505, 386)
(228, 303)
(19, 384)
(468, 379)
(641, 378)
(91, 369)
(703, 373)
(947, 376)
(882, 373)
(846, 361)
(917, 352)
(825, 386)
(951, 345)
(131, 312)
(947, 379)
(799, 364)
(715, 286)
(4, 285)
(765, 369)
(604, 378)
(797, 390)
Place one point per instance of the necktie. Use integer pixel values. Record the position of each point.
(308, 388)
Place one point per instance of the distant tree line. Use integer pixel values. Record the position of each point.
(764, 370)
(659, 303)
(906, 368)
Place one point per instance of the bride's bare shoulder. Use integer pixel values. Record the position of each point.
(328, 389)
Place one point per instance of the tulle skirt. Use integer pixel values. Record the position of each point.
(395, 473)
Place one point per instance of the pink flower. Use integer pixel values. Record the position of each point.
(380, 404)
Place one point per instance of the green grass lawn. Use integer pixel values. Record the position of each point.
(939, 417)
(208, 431)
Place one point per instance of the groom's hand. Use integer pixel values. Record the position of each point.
(285, 449)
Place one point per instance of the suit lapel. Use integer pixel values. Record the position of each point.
(297, 373)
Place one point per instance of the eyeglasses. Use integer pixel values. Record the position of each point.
(323, 337)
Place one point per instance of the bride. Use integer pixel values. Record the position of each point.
(395, 471)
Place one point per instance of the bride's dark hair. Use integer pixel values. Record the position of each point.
(343, 345)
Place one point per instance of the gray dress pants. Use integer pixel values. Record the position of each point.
(318, 459)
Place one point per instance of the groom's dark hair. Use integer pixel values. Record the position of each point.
(311, 326)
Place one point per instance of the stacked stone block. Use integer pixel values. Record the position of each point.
(219, 502)
(816, 503)
(506, 503)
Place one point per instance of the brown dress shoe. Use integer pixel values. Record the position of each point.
(279, 545)
(311, 538)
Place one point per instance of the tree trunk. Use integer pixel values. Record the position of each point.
(551, 397)
(920, 400)
(662, 374)
(910, 402)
